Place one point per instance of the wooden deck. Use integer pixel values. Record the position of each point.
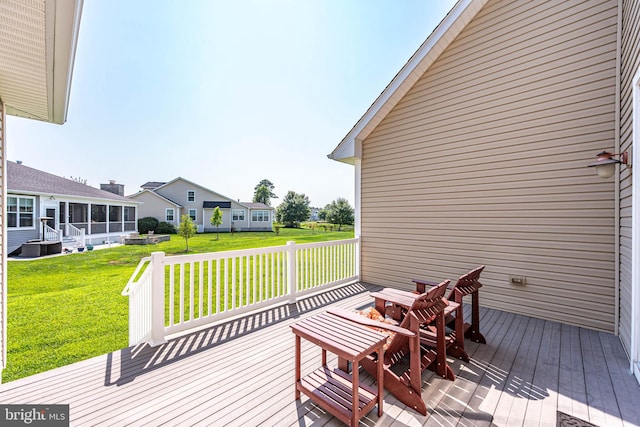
(241, 373)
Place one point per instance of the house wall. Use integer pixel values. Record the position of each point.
(630, 62)
(261, 225)
(15, 238)
(483, 162)
(177, 191)
(154, 206)
(226, 216)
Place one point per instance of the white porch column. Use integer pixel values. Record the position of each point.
(357, 223)
(66, 218)
(88, 218)
(3, 248)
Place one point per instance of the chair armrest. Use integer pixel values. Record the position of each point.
(396, 296)
(369, 322)
(421, 285)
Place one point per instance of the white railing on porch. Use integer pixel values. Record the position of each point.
(77, 234)
(51, 234)
(168, 295)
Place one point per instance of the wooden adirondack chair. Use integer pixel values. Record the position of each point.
(425, 349)
(467, 284)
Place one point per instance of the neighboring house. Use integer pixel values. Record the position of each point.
(315, 212)
(36, 65)
(168, 201)
(482, 141)
(76, 210)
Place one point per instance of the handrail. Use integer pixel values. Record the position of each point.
(77, 234)
(51, 234)
(172, 294)
(134, 279)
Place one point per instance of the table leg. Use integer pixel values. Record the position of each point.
(355, 404)
(380, 305)
(380, 378)
(343, 365)
(297, 367)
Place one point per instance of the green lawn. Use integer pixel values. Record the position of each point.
(69, 308)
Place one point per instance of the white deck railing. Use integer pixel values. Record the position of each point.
(51, 234)
(168, 295)
(77, 234)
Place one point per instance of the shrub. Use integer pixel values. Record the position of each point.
(165, 228)
(147, 224)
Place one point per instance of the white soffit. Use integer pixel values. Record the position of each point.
(37, 48)
(452, 25)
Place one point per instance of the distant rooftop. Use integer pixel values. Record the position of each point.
(252, 205)
(152, 185)
(21, 178)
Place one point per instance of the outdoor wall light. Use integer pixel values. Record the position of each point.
(606, 164)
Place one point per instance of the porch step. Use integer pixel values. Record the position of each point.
(69, 243)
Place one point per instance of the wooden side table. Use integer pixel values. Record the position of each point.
(338, 392)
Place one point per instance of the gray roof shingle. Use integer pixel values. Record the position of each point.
(21, 178)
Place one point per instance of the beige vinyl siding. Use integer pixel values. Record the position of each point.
(630, 62)
(3, 239)
(483, 162)
(154, 206)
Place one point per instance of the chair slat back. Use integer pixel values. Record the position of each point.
(423, 309)
(467, 283)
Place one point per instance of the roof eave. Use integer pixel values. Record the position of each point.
(60, 61)
(62, 26)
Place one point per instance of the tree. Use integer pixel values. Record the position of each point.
(187, 229)
(293, 210)
(339, 212)
(264, 192)
(216, 219)
(78, 180)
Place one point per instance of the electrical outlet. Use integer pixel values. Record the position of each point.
(518, 280)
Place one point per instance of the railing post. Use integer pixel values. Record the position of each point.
(82, 234)
(157, 299)
(357, 258)
(292, 285)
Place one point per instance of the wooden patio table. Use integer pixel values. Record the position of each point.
(335, 390)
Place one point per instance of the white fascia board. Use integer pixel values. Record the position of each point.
(63, 27)
(72, 199)
(455, 21)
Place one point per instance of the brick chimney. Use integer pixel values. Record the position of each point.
(114, 188)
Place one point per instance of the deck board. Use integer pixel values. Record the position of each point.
(240, 373)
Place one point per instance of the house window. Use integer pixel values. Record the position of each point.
(129, 213)
(98, 213)
(20, 212)
(169, 215)
(191, 196)
(192, 214)
(115, 213)
(237, 214)
(260, 216)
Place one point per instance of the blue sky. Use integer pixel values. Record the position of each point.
(224, 93)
